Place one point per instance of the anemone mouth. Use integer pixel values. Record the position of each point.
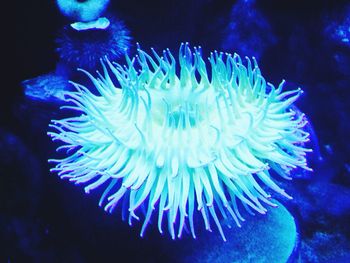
(184, 144)
(183, 110)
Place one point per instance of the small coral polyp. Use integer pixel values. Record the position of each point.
(184, 143)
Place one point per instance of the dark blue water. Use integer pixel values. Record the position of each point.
(44, 219)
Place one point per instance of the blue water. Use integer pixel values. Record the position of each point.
(44, 219)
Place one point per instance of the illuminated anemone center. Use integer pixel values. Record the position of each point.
(183, 144)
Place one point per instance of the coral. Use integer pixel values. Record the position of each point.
(181, 139)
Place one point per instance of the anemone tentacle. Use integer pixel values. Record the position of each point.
(195, 142)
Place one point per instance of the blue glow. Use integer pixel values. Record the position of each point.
(82, 47)
(46, 88)
(185, 144)
(268, 238)
(85, 11)
(339, 29)
(101, 23)
(248, 31)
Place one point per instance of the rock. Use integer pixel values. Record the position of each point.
(248, 32)
(47, 88)
(316, 249)
(263, 238)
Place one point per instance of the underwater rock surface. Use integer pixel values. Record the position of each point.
(248, 32)
(322, 210)
(337, 28)
(269, 238)
(46, 88)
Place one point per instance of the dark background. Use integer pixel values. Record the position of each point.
(45, 218)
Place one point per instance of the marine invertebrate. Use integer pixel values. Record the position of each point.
(85, 47)
(181, 144)
(82, 10)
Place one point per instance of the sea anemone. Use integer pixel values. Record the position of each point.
(180, 140)
(84, 48)
(82, 10)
